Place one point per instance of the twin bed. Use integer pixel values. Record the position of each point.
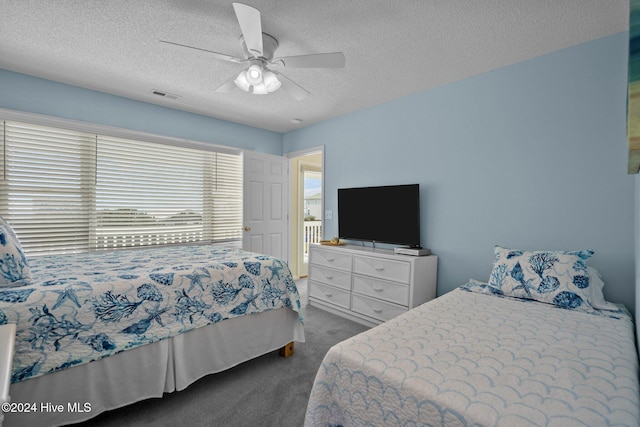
(535, 346)
(102, 330)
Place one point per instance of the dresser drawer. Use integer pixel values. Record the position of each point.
(388, 291)
(330, 259)
(398, 271)
(338, 278)
(375, 308)
(330, 294)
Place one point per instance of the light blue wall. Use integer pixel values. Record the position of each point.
(25, 93)
(529, 156)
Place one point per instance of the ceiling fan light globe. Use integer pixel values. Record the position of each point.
(271, 82)
(242, 82)
(254, 74)
(260, 89)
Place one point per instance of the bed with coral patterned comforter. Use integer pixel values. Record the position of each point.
(84, 307)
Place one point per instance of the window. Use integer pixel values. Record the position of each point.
(66, 191)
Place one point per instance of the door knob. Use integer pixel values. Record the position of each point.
(247, 228)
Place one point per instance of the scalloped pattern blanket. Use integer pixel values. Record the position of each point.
(469, 359)
(84, 307)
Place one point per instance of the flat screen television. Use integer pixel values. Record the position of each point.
(385, 214)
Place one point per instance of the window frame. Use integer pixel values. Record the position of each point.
(120, 133)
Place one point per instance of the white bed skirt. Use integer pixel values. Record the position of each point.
(151, 370)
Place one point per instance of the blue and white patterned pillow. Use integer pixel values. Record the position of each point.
(555, 277)
(14, 268)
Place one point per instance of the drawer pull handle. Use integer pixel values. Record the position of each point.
(329, 277)
(378, 268)
(377, 289)
(328, 294)
(376, 309)
(330, 259)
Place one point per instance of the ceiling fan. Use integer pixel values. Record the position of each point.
(258, 51)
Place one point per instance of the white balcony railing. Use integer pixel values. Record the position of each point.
(113, 239)
(312, 234)
(122, 238)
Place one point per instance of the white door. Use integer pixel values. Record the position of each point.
(265, 204)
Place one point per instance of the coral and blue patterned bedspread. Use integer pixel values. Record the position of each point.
(84, 307)
(470, 359)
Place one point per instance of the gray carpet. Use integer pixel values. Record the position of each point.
(267, 391)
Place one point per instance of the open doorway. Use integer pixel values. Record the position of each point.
(306, 207)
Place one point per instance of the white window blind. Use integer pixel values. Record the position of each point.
(66, 191)
(227, 198)
(48, 180)
(3, 180)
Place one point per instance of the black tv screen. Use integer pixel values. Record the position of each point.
(386, 214)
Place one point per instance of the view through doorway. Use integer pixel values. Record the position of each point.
(306, 207)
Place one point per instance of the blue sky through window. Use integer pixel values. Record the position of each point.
(312, 186)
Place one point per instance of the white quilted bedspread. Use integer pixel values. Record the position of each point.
(468, 359)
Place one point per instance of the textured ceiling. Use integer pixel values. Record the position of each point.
(392, 48)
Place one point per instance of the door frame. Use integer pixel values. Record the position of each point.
(295, 226)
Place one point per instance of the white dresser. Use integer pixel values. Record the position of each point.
(368, 285)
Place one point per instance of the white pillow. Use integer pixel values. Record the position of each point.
(595, 292)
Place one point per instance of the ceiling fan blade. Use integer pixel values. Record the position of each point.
(215, 54)
(251, 27)
(319, 60)
(227, 86)
(298, 92)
